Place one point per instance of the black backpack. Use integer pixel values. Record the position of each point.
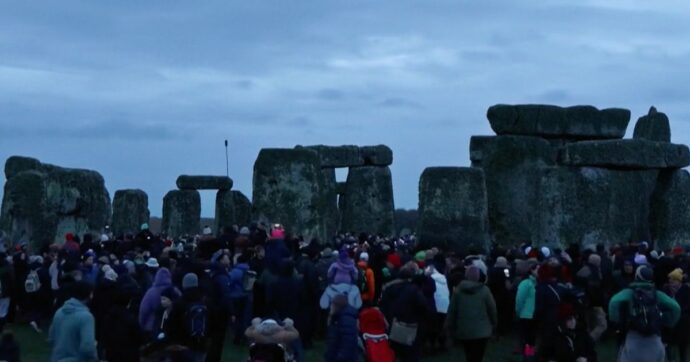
(645, 315)
(197, 318)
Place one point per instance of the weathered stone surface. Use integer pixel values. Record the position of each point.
(512, 167)
(17, 164)
(379, 155)
(352, 156)
(337, 156)
(130, 210)
(653, 127)
(232, 208)
(453, 209)
(288, 188)
(591, 205)
(367, 205)
(670, 213)
(186, 182)
(583, 122)
(340, 188)
(42, 202)
(331, 212)
(243, 208)
(628, 153)
(478, 146)
(181, 213)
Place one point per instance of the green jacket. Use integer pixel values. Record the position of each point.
(472, 312)
(526, 296)
(668, 306)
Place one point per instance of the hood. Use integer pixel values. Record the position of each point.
(343, 288)
(345, 267)
(163, 278)
(643, 285)
(470, 287)
(73, 306)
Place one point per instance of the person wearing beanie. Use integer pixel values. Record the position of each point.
(643, 340)
(190, 280)
(365, 279)
(420, 258)
(189, 319)
(591, 280)
(569, 343)
(525, 301)
(641, 259)
(679, 336)
(472, 315)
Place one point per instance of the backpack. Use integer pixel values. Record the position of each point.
(646, 316)
(197, 317)
(248, 280)
(32, 283)
(362, 281)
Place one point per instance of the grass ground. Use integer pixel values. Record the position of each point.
(34, 347)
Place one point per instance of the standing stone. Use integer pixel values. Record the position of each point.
(331, 214)
(671, 209)
(453, 209)
(243, 208)
(42, 202)
(130, 210)
(590, 205)
(186, 182)
(288, 188)
(367, 205)
(181, 213)
(512, 166)
(232, 208)
(581, 122)
(653, 127)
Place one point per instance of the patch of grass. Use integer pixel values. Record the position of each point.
(34, 347)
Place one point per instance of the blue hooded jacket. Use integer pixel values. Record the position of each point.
(72, 334)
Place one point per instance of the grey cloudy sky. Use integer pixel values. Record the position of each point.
(145, 91)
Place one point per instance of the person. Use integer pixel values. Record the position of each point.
(343, 270)
(188, 325)
(9, 348)
(441, 301)
(121, 333)
(5, 289)
(679, 336)
(368, 287)
(645, 310)
(285, 298)
(570, 343)
(524, 308)
(501, 288)
(151, 300)
(72, 333)
(591, 279)
(240, 294)
(221, 296)
(341, 344)
(265, 335)
(405, 308)
(472, 315)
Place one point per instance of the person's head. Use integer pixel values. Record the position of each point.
(224, 260)
(472, 273)
(190, 280)
(82, 291)
(628, 267)
(675, 278)
(594, 260)
(244, 258)
(88, 260)
(339, 302)
(534, 269)
(644, 274)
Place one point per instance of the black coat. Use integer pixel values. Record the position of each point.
(404, 301)
(568, 346)
(342, 336)
(122, 336)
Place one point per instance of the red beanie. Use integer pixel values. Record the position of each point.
(69, 237)
(395, 261)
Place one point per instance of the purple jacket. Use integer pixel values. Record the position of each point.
(152, 299)
(342, 272)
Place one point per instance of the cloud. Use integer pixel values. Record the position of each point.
(399, 103)
(188, 76)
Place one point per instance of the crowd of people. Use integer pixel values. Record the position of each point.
(152, 298)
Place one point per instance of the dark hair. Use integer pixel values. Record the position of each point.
(243, 258)
(81, 290)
